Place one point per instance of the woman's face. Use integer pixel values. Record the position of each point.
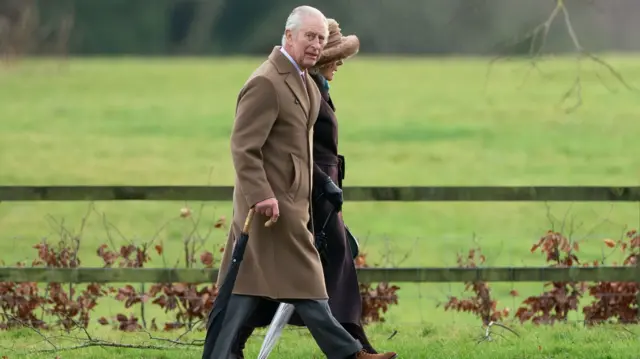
(329, 70)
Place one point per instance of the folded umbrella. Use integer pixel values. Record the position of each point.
(219, 310)
(280, 319)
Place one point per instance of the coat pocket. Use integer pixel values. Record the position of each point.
(294, 187)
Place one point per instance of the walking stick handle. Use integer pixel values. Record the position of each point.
(247, 221)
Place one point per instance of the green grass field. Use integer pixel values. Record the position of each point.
(423, 342)
(402, 122)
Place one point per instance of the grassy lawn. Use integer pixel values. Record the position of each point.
(402, 122)
(419, 342)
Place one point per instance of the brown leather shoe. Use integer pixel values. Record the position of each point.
(364, 355)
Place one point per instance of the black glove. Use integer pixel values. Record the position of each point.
(332, 193)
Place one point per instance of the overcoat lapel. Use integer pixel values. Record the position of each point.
(295, 85)
(307, 99)
(314, 100)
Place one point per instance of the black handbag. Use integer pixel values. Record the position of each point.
(353, 242)
(321, 237)
(321, 240)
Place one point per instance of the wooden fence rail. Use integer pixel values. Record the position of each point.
(405, 194)
(365, 275)
(394, 275)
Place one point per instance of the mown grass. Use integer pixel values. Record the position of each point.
(414, 342)
(402, 122)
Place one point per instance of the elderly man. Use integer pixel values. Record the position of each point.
(271, 146)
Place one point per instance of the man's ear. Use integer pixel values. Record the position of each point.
(289, 35)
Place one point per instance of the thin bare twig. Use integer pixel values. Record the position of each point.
(538, 39)
(103, 344)
(90, 341)
(177, 341)
(487, 333)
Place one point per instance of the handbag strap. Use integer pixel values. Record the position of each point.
(331, 213)
(326, 221)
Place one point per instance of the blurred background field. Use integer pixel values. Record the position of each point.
(167, 122)
(404, 120)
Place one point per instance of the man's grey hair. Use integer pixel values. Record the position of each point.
(294, 21)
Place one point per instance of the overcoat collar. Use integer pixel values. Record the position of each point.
(310, 99)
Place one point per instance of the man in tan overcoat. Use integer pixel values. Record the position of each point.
(271, 146)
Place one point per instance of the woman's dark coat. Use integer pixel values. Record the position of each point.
(340, 274)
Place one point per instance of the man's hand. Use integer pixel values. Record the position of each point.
(269, 208)
(333, 193)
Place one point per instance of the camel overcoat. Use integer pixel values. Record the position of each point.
(271, 147)
(340, 274)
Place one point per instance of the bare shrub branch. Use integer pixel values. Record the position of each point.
(537, 39)
(487, 332)
(186, 305)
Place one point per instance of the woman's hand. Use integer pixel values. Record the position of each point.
(333, 193)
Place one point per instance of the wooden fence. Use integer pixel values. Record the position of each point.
(404, 194)
(365, 275)
(394, 275)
